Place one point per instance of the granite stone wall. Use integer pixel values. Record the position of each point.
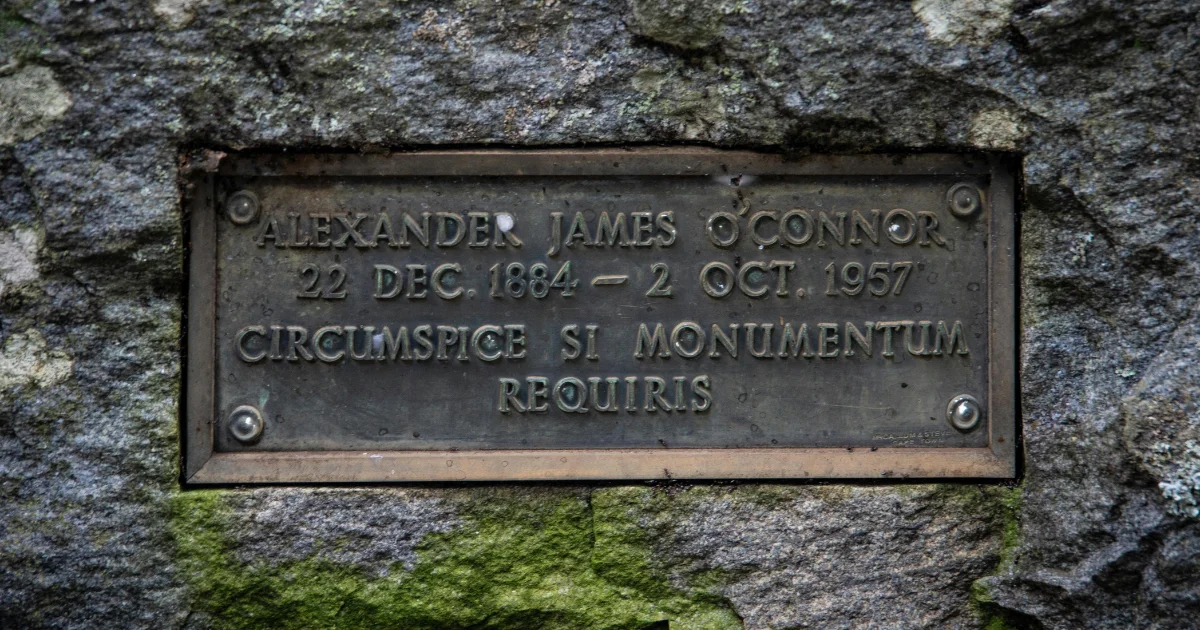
(104, 104)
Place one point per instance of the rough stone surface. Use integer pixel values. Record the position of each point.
(1160, 422)
(898, 557)
(341, 527)
(103, 103)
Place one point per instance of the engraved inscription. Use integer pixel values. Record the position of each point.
(712, 309)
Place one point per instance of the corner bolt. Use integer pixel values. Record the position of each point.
(964, 412)
(964, 200)
(246, 424)
(242, 207)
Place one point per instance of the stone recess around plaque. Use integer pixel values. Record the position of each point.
(601, 314)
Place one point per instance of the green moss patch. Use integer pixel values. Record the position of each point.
(1007, 506)
(522, 559)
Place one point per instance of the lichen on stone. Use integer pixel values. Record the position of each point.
(997, 129)
(1181, 482)
(31, 99)
(969, 21)
(18, 257)
(176, 13)
(1162, 423)
(26, 360)
(686, 24)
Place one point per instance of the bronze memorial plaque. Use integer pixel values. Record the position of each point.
(600, 314)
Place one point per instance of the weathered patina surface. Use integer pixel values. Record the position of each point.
(98, 101)
(606, 314)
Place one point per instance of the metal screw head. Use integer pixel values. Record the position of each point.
(964, 200)
(242, 207)
(246, 424)
(964, 412)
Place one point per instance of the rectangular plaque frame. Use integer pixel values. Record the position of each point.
(206, 465)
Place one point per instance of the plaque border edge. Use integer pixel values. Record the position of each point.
(997, 460)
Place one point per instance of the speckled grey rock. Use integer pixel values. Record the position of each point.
(105, 102)
(372, 529)
(836, 556)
